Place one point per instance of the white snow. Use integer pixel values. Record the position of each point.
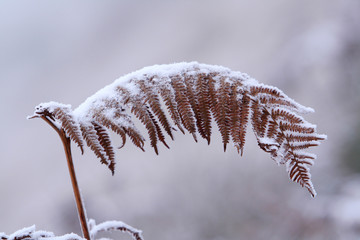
(42, 234)
(162, 73)
(68, 236)
(31, 233)
(162, 76)
(22, 232)
(3, 235)
(51, 106)
(268, 141)
(111, 225)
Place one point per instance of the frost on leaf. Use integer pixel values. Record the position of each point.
(114, 226)
(193, 95)
(30, 233)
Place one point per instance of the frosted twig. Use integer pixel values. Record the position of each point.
(114, 226)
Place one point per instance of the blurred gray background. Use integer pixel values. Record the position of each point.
(66, 50)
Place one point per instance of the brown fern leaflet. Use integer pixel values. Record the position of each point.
(193, 94)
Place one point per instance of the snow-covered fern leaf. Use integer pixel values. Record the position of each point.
(63, 115)
(30, 233)
(193, 95)
(110, 226)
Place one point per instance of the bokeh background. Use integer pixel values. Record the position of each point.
(66, 50)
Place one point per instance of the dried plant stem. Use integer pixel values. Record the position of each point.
(79, 203)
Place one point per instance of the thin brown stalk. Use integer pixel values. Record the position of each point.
(79, 203)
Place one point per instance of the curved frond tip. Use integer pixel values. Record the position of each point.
(188, 97)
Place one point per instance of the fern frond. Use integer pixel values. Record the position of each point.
(202, 86)
(92, 140)
(104, 140)
(71, 127)
(167, 94)
(303, 138)
(142, 113)
(184, 107)
(110, 124)
(267, 91)
(284, 126)
(299, 172)
(159, 133)
(286, 134)
(272, 129)
(286, 115)
(264, 122)
(152, 99)
(244, 118)
(221, 110)
(256, 117)
(235, 119)
(136, 138)
(193, 95)
(193, 102)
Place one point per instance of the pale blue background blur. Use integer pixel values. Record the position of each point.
(66, 50)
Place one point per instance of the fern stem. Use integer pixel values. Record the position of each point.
(79, 203)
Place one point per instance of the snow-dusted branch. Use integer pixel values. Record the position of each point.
(114, 226)
(30, 233)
